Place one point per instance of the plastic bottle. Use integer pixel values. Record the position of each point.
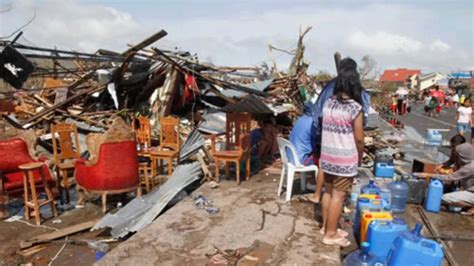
(386, 195)
(399, 190)
(370, 188)
(355, 193)
(362, 257)
(99, 247)
(410, 248)
(435, 193)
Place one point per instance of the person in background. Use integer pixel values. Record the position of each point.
(303, 138)
(427, 101)
(456, 100)
(465, 174)
(393, 106)
(268, 146)
(341, 150)
(463, 117)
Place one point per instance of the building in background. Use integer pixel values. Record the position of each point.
(392, 79)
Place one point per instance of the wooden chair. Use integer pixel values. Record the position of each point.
(66, 150)
(143, 132)
(169, 144)
(237, 144)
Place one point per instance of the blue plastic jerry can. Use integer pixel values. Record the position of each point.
(362, 257)
(365, 204)
(410, 248)
(381, 235)
(435, 193)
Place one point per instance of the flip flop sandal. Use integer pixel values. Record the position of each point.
(340, 232)
(310, 199)
(340, 241)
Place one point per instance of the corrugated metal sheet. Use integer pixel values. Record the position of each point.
(213, 122)
(192, 145)
(140, 212)
(249, 104)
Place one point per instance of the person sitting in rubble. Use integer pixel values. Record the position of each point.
(303, 138)
(465, 174)
(263, 140)
(452, 162)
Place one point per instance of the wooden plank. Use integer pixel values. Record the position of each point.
(44, 238)
(30, 251)
(148, 41)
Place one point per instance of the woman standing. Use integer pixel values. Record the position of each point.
(463, 117)
(341, 149)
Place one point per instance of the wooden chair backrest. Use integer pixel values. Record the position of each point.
(237, 124)
(169, 132)
(67, 146)
(143, 131)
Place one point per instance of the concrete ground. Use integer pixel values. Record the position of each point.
(251, 220)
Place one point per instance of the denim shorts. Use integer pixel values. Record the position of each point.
(463, 127)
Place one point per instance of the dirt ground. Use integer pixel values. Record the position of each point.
(12, 233)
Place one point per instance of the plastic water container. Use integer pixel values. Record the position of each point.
(370, 188)
(385, 170)
(433, 137)
(435, 193)
(365, 203)
(362, 257)
(410, 248)
(399, 190)
(367, 218)
(417, 190)
(386, 195)
(382, 233)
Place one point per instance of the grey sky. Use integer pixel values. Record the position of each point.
(431, 35)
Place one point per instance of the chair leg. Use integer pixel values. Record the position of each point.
(247, 168)
(237, 171)
(48, 193)
(303, 181)
(282, 178)
(58, 185)
(66, 184)
(34, 198)
(227, 169)
(26, 195)
(139, 191)
(217, 170)
(80, 191)
(170, 166)
(289, 187)
(104, 202)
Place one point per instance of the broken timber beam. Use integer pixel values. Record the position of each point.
(58, 105)
(148, 41)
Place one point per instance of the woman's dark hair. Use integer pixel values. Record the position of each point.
(457, 139)
(348, 81)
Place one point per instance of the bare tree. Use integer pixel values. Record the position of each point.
(368, 67)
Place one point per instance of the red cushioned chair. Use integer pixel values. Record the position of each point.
(13, 153)
(116, 171)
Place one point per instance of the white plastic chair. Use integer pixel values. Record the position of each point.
(286, 146)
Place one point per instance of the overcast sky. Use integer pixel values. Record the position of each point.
(429, 35)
